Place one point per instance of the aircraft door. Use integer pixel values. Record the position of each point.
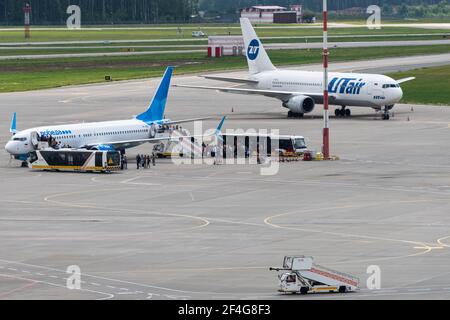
(152, 131)
(34, 138)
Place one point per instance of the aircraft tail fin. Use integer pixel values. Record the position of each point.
(219, 127)
(218, 133)
(257, 58)
(13, 128)
(157, 106)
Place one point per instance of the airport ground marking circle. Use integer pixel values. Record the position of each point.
(427, 247)
(204, 221)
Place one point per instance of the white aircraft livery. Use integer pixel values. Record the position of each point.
(107, 135)
(299, 91)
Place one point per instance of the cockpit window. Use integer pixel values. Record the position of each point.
(19, 139)
(391, 85)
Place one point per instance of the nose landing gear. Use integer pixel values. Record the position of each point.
(385, 115)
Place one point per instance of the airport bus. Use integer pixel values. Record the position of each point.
(75, 160)
(236, 145)
(281, 145)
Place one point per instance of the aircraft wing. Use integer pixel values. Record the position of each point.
(236, 80)
(405, 79)
(282, 95)
(133, 143)
(186, 120)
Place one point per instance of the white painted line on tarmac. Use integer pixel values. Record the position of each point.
(425, 289)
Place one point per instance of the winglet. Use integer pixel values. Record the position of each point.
(13, 128)
(219, 127)
(157, 106)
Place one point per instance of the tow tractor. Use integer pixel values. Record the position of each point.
(300, 274)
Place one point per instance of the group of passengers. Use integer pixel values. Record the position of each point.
(145, 161)
(53, 143)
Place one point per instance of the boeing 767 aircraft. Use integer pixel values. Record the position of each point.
(299, 91)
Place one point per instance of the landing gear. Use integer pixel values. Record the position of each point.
(24, 164)
(343, 112)
(294, 115)
(386, 115)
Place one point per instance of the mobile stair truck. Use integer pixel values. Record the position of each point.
(300, 274)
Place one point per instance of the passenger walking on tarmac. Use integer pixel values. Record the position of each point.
(138, 161)
(203, 149)
(154, 159)
(147, 159)
(144, 162)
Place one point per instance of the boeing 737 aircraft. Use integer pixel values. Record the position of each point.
(299, 91)
(107, 135)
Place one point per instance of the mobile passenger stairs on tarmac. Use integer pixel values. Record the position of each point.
(300, 274)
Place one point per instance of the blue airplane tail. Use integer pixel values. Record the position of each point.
(156, 108)
(13, 128)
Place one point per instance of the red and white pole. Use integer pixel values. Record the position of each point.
(27, 20)
(326, 129)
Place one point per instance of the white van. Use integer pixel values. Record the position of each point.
(198, 34)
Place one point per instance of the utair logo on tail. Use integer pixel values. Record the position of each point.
(345, 85)
(253, 49)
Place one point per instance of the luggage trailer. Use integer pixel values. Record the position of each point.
(300, 274)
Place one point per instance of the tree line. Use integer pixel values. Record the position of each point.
(99, 11)
(48, 12)
(312, 5)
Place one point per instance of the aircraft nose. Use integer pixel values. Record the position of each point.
(399, 94)
(9, 147)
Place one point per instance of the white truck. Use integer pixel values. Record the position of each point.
(300, 274)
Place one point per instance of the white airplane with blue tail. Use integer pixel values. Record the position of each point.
(300, 91)
(106, 135)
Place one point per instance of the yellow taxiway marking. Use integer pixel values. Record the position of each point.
(427, 247)
(440, 241)
(50, 199)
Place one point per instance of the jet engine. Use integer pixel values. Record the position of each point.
(300, 104)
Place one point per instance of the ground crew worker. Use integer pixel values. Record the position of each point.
(125, 162)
